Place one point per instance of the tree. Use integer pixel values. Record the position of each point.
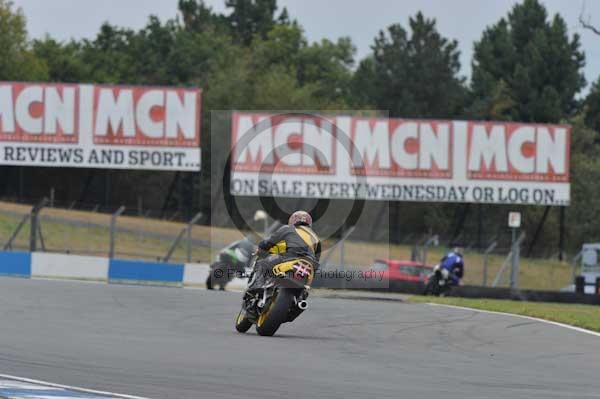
(251, 18)
(321, 69)
(198, 17)
(63, 60)
(328, 65)
(109, 56)
(533, 62)
(281, 46)
(592, 108)
(584, 214)
(412, 75)
(586, 22)
(17, 61)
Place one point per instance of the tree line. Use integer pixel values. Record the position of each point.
(526, 67)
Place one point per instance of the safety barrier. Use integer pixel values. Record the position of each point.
(89, 268)
(74, 267)
(474, 292)
(17, 264)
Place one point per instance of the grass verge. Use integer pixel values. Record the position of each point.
(584, 316)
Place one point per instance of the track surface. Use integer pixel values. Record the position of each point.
(180, 344)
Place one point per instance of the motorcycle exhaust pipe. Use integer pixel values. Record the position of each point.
(302, 305)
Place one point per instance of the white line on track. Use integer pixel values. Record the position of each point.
(554, 323)
(77, 389)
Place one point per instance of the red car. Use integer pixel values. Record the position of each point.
(403, 270)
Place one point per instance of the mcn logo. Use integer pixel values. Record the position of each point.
(402, 148)
(115, 115)
(518, 152)
(283, 144)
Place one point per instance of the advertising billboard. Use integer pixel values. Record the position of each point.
(100, 126)
(346, 157)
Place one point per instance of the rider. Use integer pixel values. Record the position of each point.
(295, 240)
(453, 266)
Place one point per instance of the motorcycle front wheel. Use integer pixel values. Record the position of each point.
(275, 313)
(242, 323)
(432, 287)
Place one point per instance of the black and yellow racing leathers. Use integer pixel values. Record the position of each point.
(288, 242)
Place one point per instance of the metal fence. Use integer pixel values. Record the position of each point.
(44, 228)
(108, 235)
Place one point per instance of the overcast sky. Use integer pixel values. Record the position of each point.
(463, 20)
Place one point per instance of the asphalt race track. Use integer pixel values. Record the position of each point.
(181, 344)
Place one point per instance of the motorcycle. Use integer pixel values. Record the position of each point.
(280, 298)
(439, 282)
(231, 261)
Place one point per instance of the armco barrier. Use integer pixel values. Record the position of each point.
(16, 264)
(89, 268)
(195, 274)
(474, 292)
(137, 271)
(69, 267)
(46, 265)
(525, 295)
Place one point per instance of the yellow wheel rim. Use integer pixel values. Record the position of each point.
(240, 317)
(263, 317)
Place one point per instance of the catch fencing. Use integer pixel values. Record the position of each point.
(96, 234)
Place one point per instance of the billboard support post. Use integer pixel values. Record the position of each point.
(33, 230)
(460, 222)
(561, 239)
(21, 183)
(172, 186)
(538, 230)
(514, 270)
(107, 187)
(343, 250)
(479, 227)
(431, 241)
(514, 222)
(113, 230)
(486, 259)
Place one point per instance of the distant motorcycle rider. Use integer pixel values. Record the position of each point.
(453, 266)
(230, 262)
(295, 240)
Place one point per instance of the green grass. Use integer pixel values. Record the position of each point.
(584, 316)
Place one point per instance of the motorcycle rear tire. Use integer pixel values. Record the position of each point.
(276, 314)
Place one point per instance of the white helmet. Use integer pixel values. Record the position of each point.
(300, 217)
